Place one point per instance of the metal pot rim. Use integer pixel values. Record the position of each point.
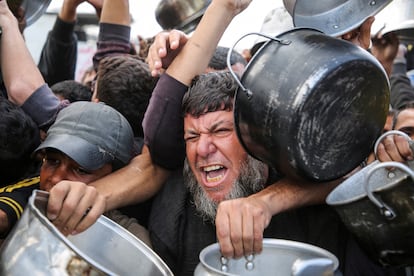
(269, 243)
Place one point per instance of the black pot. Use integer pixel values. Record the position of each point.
(311, 105)
(180, 14)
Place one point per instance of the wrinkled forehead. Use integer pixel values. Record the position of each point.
(405, 118)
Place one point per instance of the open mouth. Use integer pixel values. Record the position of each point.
(214, 173)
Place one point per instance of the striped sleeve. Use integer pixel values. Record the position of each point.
(13, 198)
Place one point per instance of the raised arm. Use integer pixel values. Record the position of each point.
(59, 53)
(114, 30)
(20, 73)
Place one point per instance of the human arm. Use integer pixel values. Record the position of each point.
(240, 222)
(20, 73)
(136, 182)
(164, 49)
(402, 92)
(59, 53)
(163, 124)
(114, 30)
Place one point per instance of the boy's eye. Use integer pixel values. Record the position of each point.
(50, 161)
(80, 170)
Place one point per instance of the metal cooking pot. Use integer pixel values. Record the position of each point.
(377, 206)
(180, 14)
(33, 9)
(311, 105)
(278, 258)
(36, 247)
(397, 17)
(333, 17)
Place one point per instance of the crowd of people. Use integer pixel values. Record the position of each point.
(151, 141)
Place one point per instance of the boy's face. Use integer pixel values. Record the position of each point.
(57, 166)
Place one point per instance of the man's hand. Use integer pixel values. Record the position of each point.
(240, 224)
(394, 148)
(362, 35)
(385, 49)
(74, 206)
(164, 49)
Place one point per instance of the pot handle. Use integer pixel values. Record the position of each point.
(391, 132)
(384, 209)
(247, 91)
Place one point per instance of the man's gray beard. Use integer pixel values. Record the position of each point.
(251, 180)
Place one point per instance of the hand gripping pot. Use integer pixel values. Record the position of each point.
(377, 206)
(310, 105)
(278, 258)
(36, 247)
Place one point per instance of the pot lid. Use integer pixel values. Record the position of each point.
(33, 9)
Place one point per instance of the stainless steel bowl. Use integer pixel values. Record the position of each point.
(180, 14)
(33, 9)
(333, 17)
(279, 257)
(397, 17)
(36, 247)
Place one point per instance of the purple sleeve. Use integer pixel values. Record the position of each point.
(163, 123)
(113, 39)
(43, 106)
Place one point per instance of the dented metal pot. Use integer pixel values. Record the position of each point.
(377, 206)
(278, 258)
(36, 247)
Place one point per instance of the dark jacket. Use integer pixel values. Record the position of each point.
(178, 233)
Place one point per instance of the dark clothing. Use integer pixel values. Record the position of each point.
(113, 40)
(165, 143)
(12, 202)
(59, 53)
(402, 91)
(178, 233)
(43, 106)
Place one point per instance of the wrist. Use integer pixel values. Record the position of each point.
(68, 13)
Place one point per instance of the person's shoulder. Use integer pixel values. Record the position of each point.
(25, 183)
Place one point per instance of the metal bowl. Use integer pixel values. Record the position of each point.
(333, 17)
(36, 247)
(397, 17)
(279, 257)
(180, 14)
(33, 9)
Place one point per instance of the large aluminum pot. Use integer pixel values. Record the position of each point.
(311, 105)
(333, 17)
(36, 247)
(278, 258)
(397, 17)
(377, 206)
(33, 9)
(180, 14)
